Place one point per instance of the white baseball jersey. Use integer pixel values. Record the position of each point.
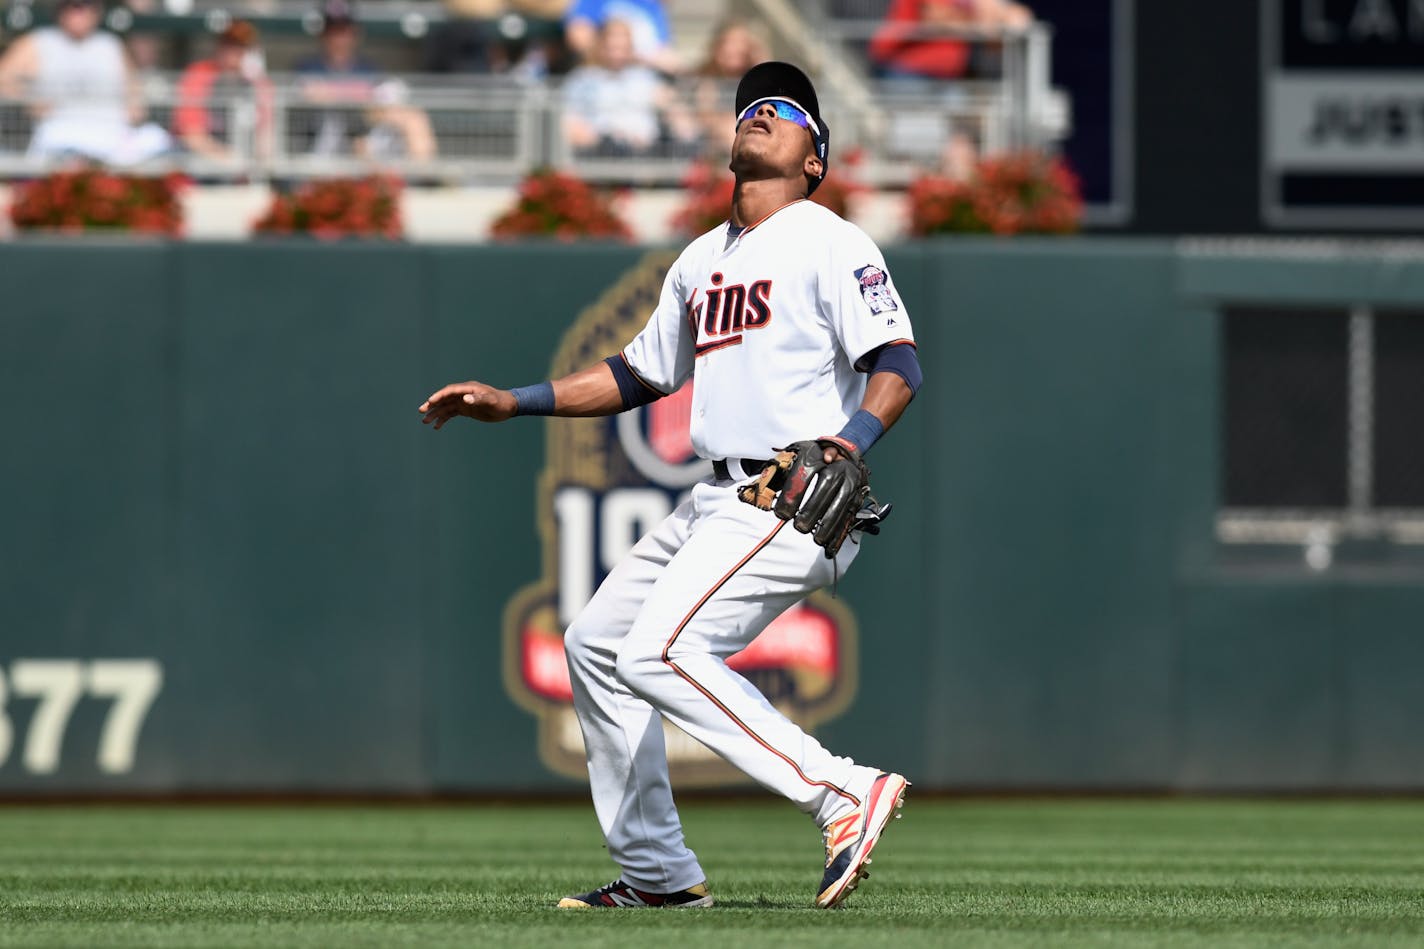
(777, 316)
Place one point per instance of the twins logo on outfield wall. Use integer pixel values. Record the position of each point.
(605, 483)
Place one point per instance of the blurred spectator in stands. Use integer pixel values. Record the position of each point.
(80, 86)
(916, 51)
(368, 115)
(465, 42)
(735, 47)
(616, 106)
(145, 49)
(906, 45)
(215, 96)
(498, 37)
(652, 35)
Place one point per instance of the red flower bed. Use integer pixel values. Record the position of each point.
(552, 204)
(1011, 194)
(91, 199)
(337, 208)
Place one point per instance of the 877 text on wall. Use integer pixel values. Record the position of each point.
(56, 687)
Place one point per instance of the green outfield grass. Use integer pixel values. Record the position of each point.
(974, 873)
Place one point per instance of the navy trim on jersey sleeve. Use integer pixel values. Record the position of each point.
(899, 358)
(635, 391)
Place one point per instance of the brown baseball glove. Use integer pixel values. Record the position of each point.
(827, 501)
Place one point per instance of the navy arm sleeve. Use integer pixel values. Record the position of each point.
(899, 358)
(635, 391)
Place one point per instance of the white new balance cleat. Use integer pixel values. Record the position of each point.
(850, 839)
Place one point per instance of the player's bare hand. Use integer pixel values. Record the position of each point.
(471, 399)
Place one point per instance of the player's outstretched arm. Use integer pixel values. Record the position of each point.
(591, 391)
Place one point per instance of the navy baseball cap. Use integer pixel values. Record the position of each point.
(776, 80)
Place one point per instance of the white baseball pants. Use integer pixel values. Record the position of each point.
(654, 641)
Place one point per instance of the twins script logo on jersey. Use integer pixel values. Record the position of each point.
(726, 312)
(606, 482)
(875, 288)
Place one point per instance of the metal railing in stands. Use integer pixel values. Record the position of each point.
(490, 130)
(481, 130)
(1018, 66)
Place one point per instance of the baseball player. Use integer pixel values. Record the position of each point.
(803, 356)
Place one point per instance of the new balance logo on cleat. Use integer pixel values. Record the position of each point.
(850, 839)
(619, 895)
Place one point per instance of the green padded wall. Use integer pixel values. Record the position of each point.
(213, 459)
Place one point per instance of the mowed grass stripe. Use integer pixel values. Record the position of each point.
(992, 873)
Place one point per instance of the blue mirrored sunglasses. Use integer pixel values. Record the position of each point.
(784, 110)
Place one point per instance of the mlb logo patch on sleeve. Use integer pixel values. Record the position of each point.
(875, 288)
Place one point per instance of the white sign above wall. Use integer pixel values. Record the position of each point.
(1343, 113)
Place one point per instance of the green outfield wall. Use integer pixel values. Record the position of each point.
(235, 561)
